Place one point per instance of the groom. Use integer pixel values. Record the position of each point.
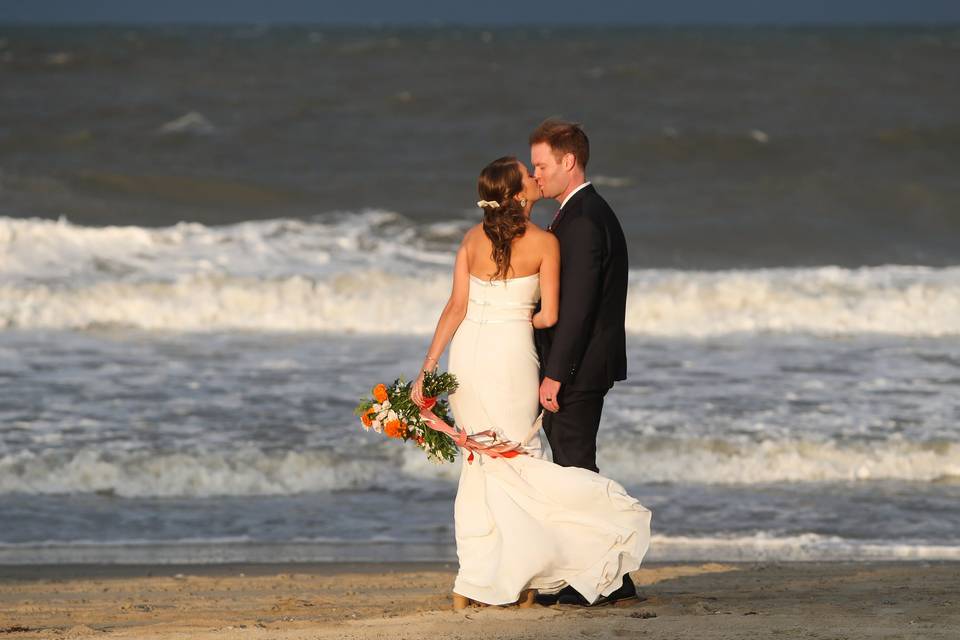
(585, 352)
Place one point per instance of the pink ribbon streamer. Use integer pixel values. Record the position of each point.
(496, 449)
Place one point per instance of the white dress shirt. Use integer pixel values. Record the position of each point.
(570, 195)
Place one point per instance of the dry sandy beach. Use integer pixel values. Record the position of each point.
(411, 600)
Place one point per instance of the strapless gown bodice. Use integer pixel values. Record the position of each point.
(511, 300)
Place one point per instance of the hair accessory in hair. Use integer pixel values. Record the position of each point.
(488, 203)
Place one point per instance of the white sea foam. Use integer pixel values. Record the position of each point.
(348, 302)
(252, 472)
(763, 546)
(830, 301)
(900, 300)
(754, 547)
(146, 474)
(192, 122)
(702, 460)
(357, 273)
(60, 253)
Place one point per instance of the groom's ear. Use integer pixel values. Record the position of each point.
(568, 161)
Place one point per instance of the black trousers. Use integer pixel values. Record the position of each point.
(572, 431)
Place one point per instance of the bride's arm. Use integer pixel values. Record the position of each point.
(549, 285)
(450, 319)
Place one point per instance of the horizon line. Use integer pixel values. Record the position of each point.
(434, 24)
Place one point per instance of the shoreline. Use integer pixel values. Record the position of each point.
(98, 570)
(896, 599)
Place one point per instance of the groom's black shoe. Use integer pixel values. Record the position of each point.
(567, 595)
(626, 591)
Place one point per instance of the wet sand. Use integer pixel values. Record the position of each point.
(412, 600)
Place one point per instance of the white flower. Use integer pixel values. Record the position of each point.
(385, 405)
(377, 426)
(392, 415)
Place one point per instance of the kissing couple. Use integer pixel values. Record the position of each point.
(536, 319)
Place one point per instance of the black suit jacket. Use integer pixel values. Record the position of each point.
(586, 349)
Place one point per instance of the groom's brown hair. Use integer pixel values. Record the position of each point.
(563, 137)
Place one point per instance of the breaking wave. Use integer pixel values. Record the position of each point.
(356, 273)
(253, 472)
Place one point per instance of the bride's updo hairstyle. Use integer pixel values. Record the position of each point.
(499, 182)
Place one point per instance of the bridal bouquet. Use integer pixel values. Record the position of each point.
(391, 411)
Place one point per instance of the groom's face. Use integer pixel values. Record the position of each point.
(548, 169)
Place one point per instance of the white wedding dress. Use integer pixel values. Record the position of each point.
(526, 522)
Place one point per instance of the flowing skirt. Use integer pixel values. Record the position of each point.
(526, 522)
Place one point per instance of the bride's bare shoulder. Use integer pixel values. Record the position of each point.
(473, 234)
(541, 236)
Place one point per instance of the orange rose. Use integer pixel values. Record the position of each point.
(380, 392)
(366, 419)
(395, 429)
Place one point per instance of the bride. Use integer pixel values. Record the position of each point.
(523, 525)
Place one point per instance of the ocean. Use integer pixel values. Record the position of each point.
(215, 241)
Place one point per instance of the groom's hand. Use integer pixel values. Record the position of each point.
(549, 390)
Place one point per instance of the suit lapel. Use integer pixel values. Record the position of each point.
(573, 204)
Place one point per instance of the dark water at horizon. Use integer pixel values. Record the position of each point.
(719, 147)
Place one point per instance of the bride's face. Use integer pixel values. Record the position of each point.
(531, 190)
